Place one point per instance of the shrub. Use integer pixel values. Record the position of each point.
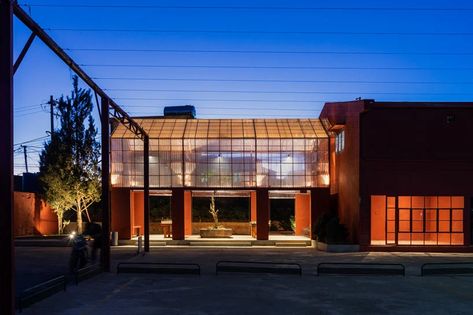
(328, 229)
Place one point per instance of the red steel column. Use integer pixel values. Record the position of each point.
(262, 214)
(188, 212)
(177, 213)
(146, 192)
(105, 254)
(7, 249)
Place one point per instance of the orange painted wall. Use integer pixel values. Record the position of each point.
(378, 219)
(137, 212)
(345, 171)
(253, 206)
(32, 215)
(302, 213)
(188, 212)
(121, 214)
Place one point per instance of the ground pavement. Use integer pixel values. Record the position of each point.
(110, 293)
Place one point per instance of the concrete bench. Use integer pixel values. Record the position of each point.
(41, 291)
(448, 268)
(328, 268)
(258, 267)
(158, 268)
(86, 273)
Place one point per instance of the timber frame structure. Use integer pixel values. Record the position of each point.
(109, 109)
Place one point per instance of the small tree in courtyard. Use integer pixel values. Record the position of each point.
(69, 170)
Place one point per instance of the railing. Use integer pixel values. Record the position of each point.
(447, 268)
(258, 267)
(41, 291)
(160, 268)
(329, 268)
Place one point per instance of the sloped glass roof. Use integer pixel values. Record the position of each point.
(170, 128)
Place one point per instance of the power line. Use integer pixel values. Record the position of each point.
(344, 33)
(32, 140)
(282, 92)
(273, 67)
(272, 52)
(232, 108)
(275, 8)
(280, 81)
(29, 113)
(217, 100)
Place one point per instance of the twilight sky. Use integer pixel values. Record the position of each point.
(242, 58)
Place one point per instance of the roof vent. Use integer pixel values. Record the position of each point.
(185, 111)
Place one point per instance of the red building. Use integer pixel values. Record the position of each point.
(402, 173)
(399, 175)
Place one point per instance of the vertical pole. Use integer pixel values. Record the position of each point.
(7, 261)
(146, 192)
(105, 252)
(51, 104)
(26, 157)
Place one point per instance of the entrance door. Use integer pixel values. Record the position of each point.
(391, 222)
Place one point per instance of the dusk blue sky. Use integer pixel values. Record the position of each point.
(408, 65)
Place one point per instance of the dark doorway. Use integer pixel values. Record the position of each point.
(160, 208)
(282, 216)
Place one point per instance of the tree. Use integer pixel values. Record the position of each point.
(69, 162)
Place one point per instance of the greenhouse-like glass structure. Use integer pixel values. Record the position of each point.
(223, 153)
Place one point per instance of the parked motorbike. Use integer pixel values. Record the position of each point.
(79, 254)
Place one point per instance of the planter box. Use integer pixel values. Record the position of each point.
(216, 233)
(337, 248)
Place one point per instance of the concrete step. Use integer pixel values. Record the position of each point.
(294, 244)
(220, 243)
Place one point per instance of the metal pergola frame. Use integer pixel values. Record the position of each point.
(8, 9)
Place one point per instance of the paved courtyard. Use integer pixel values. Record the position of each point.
(265, 294)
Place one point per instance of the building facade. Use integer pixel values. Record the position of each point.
(257, 158)
(402, 173)
(399, 175)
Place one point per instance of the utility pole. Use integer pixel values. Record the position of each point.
(26, 157)
(51, 105)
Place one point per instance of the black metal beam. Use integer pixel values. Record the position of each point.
(146, 192)
(23, 52)
(48, 41)
(105, 251)
(7, 249)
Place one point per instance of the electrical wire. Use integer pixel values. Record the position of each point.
(280, 81)
(217, 100)
(231, 7)
(254, 32)
(272, 52)
(273, 67)
(278, 92)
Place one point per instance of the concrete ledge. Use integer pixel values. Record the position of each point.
(337, 248)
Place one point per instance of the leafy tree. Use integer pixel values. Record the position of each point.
(69, 170)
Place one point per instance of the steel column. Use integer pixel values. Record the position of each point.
(7, 261)
(146, 192)
(105, 251)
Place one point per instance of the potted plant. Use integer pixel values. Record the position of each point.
(217, 230)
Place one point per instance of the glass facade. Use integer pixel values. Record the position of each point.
(224, 153)
(417, 220)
